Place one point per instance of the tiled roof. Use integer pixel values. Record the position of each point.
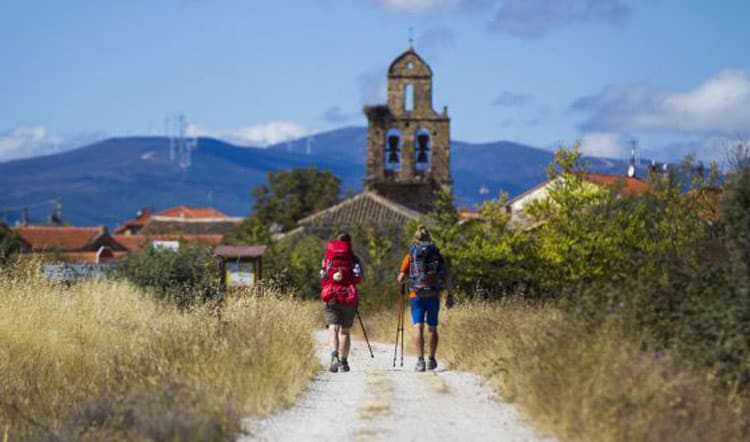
(362, 208)
(132, 243)
(240, 251)
(136, 242)
(630, 185)
(61, 238)
(626, 185)
(158, 227)
(191, 212)
(137, 222)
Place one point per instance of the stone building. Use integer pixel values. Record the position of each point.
(408, 143)
(408, 154)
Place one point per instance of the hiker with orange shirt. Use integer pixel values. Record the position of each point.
(427, 273)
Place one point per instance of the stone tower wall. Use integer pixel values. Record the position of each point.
(409, 186)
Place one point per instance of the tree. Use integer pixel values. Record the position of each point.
(10, 243)
(294, 194)
(289, 196)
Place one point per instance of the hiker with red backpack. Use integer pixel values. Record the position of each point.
(428, 276)
(341, 271)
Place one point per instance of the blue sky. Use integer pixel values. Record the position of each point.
(675, 75)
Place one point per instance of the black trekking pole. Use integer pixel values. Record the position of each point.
(362, 324)
(399, 325)
(403, 313)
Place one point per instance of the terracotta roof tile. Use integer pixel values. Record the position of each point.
(132, 243)
(629, 185)
(60, 238)
(191, 212)
(158, 227)
(139, 221)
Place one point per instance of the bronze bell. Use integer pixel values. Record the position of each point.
(422, 140)
(422, 157)
(393, 141)
(393, 157)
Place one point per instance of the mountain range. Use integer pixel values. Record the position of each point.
(107, 182)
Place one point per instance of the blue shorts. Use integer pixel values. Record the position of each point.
(421, 307)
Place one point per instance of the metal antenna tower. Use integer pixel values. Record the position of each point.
(168, 125)
(308, 145)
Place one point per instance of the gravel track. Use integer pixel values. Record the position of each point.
(377, 402)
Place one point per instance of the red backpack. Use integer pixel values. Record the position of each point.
(337, 277)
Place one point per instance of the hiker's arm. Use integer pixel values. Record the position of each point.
(404, 268)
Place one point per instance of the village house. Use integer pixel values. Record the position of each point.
(172, 226)
(70, 244)
(622, 184)
(180, 219)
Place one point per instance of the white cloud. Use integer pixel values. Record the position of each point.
(33, 141)
(604, 144)
(261, 135)
(721, 104)
(418, 6)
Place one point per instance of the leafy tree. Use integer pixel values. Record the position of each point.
(735, 209)
(184, 277)
(289, 196)
(10, 243)
(294, 194)
(252, 230)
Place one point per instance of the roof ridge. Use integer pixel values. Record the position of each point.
(403, 210)
(343, 203)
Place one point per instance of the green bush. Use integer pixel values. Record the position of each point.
(184, 277)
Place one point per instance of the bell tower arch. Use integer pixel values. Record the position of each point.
(422, 149)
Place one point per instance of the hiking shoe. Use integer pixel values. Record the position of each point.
(431, 364)
(344, 365)
(420, 365)
(334, 368)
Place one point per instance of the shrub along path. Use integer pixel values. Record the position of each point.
(374, 401)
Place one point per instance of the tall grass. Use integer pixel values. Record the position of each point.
(588, 385)
(103, 361)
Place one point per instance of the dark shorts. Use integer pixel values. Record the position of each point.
(425, 310)
(340, 314)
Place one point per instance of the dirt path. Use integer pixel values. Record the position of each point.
(374, 401)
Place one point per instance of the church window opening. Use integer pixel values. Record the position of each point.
(422, 150)
(410, 66)
(393, 149)
(409, 97)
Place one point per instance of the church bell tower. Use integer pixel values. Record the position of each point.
(408, 143)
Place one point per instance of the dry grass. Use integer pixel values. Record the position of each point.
(101, 361)
(587, 386)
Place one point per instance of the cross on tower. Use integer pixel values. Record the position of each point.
(411, 36)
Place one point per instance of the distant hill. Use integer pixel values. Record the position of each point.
(108, 181)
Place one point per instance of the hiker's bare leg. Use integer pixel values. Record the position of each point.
(333, 336)
(345, 343)
(418, 339)
(433, 340)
